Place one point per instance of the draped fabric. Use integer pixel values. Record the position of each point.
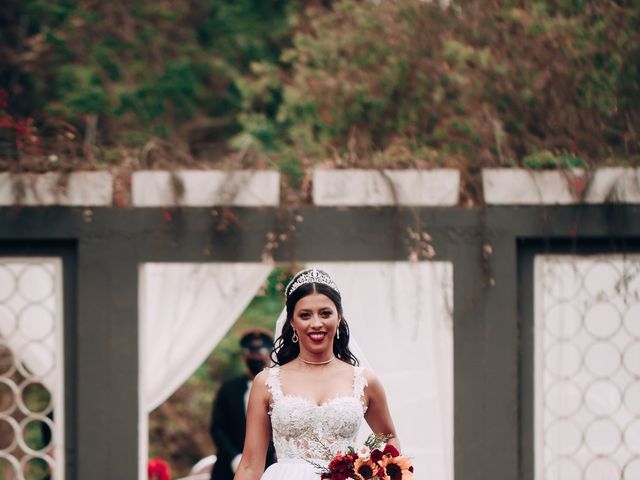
(401, 314)
(185, 309)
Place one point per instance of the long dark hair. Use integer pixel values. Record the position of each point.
(285, 349)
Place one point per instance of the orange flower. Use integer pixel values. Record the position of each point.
(366, 468)
(397, 468)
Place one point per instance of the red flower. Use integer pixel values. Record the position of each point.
(157, 469)
(376, 455)
(391, 450)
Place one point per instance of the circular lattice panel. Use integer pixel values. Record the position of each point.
(30, 331)
(587, 367)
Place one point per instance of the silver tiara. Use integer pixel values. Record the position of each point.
(313, 275)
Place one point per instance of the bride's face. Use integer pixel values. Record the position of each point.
(315, 320)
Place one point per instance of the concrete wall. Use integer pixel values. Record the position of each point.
(491, 249)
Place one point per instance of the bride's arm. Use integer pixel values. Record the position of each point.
(258, 433)
(377, 415)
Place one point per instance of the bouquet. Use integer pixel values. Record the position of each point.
(371, 461)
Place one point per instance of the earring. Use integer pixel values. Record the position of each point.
(338, 332)
(294, 337)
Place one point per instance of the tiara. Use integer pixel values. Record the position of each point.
(313, 275)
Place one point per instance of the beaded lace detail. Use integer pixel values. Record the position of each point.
(304, 430)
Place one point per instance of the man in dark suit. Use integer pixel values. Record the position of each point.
(228, 418)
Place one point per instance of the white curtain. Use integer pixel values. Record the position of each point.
(401, 315)
(400, 312)
(185, 309)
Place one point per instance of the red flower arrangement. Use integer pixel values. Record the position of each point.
(157, 469)
(369, 462)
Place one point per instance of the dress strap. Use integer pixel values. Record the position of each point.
(359, 383)
(273, 383)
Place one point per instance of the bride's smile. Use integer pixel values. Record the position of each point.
(317, 337)
(315, 319)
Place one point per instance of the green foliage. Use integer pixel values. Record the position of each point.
(176, 91)
(548, 160)
(49, 13)
(145, 69)
(245, 31)
(79, 91)
(361, 83)
(289, 164)
(489, 84)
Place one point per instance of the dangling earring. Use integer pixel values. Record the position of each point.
(338, 332)
(294, 337)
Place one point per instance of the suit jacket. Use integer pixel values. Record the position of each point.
(228, 425)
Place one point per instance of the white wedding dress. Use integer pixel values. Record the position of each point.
(305, 433)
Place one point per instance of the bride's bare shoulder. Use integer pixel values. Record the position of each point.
(373, 382)
(261, 378)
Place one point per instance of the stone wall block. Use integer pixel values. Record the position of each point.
(439, 187)
(515, 186)
(205, 188)
(614, 185)
(83, 189)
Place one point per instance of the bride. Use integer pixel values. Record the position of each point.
(316, 395)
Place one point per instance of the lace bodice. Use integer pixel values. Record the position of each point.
(304, 430)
